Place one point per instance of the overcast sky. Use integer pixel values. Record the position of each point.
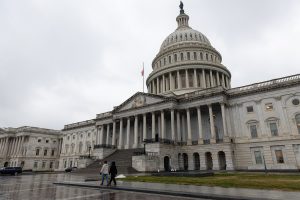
(64, 61)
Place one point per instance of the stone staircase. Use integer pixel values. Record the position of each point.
(121, 157)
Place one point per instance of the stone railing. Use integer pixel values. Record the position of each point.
(87, 157)
(103, 115)
(78, 124)
(206, 141)
(108, 146)
(159, 140)
(264, 84)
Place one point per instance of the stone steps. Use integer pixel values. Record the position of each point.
(123, 159)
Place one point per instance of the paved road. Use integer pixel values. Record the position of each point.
(40, 187)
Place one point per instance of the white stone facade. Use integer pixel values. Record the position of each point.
(32, 148)
(191, 118)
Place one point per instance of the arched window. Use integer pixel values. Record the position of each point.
(206, 55)
(298, 122)
(164, 61)
(201, 55)
(169, 59)
(80, 147)
(72, 148)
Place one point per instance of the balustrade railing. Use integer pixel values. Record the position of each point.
(206, 141)
(265, 83)
(108, 146)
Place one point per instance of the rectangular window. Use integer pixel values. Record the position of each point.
(51, 165)
(43, 164)
(258, 157)
(249, 109)
(269, 106)
(253, 131)
(195, 56)
(45, 152)
(188, 55)
(52, 152)
(273, 128)
(279, 156)
(65, 164)
(37, 152)
(35, 165)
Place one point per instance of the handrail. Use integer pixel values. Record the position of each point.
(265, 83)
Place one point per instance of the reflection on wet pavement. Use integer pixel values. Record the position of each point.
(40, 187)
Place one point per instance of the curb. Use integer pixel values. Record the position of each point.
(163, 192)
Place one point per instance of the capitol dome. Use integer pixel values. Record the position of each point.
(186, 62)
(184, 33)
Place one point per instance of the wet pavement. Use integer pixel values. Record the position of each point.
(41, 187)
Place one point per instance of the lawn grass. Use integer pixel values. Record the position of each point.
(284, 182)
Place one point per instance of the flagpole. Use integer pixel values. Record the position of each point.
(143, 76)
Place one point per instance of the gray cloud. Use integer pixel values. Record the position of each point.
(65, 61)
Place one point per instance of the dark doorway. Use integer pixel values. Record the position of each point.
(167, 163)
(5, 164)
(185, 161)
(196, 161)
(22, 164)
(222, 160)
(180, 163)
(209, 163)
(156, 137)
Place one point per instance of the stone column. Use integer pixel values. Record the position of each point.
(101, 135)
(189, 130)
(218, 78)
(179, 80)
(173, 126)
(163, 83)
(171, 81)
(135, 144)
(121, 134)
(224, 119)
(144, 127)
(211, 79)
(153, 126)
(21, 145)
(163, 131)
(195, 78)
(178, 126)
(128, 133)
(200, 137)
(157, 85)
(226, 80)
(203, 79)
(5, 152)
(186, 79)
(212, 125)
(1, 146)
(113, 142)
(223, 81)
(12, 147)
(107, 134)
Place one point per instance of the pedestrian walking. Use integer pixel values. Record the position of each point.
(104, 172)
(113, 172)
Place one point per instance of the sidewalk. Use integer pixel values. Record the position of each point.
(192, 191)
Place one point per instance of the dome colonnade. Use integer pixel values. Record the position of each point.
(186, 62)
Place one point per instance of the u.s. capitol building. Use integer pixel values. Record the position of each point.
(190, 119)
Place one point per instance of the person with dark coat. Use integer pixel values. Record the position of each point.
(113, 172)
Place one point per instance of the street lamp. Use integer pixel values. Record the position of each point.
(90, 151)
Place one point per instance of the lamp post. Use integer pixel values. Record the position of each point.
(90, 151)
